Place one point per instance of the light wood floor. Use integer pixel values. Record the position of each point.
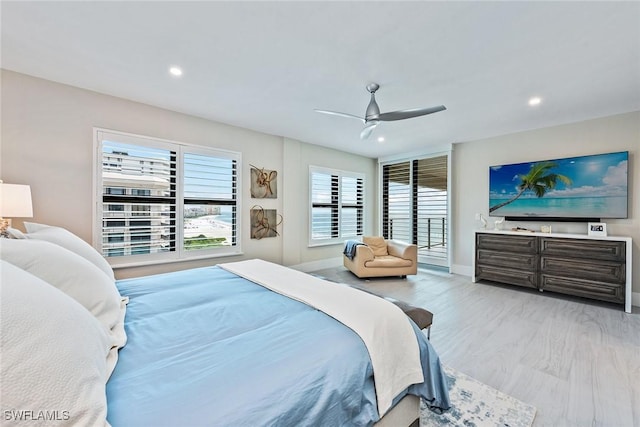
(576, 361)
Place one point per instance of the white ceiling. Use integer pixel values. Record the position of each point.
(267, 65)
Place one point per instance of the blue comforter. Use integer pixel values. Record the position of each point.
(206, 347)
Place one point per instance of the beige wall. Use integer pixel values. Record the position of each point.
(471, 163)
(47, 142)
(300, 156)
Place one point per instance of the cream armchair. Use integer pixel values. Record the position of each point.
(378, 257)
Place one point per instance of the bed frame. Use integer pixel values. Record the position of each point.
(405, 413)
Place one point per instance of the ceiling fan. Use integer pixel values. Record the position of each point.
(373, 116)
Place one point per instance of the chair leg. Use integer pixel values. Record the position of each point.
(429, 332)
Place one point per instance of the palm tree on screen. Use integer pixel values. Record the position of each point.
(539, 180)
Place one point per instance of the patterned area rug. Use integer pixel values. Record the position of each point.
(474, 404)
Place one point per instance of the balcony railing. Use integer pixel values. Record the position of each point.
(431, 231)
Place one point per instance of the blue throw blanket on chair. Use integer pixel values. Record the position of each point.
(350, 248)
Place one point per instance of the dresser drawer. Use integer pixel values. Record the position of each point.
(527, 262)
(582, 288)
(605, 271)
(503, 275)
(507, 243)
(605, 250)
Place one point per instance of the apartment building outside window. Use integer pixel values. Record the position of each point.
(161, 200)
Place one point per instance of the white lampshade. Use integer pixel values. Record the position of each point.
(15, 201)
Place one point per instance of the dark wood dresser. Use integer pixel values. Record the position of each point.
(579, 265)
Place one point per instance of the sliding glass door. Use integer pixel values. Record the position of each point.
(415, 202)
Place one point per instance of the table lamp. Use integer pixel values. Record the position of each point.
(15, 202)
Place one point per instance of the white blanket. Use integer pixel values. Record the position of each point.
(384, 328)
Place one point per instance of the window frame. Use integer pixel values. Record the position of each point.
(413, 161)
(179, 253)
(340, 239)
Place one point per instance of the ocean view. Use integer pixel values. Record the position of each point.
(597, 207)
(210, 226)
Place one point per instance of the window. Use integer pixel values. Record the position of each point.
(161, 200)
(337, 205)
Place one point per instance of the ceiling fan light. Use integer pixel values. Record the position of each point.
(536, 100)
(368, 129)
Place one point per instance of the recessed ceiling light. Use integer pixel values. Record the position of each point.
(175, 71)
(381, 139)
(535, 101)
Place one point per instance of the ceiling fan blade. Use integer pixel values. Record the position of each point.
(335, 113)
(368, 129)
(407, 114)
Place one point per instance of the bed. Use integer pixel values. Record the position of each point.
(204, 346)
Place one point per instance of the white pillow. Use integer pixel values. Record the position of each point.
(54, 354)
(14, 233)
(68, 240)
(73, 275)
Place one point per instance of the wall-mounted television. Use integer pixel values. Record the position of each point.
(585, 188)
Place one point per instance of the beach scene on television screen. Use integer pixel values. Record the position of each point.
(580, 187)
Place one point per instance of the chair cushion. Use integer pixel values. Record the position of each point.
(388, 261)
(377, 244)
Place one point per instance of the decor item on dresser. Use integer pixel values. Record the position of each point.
(497, 225)
(378, 257)
(15, 202)
(483, 221)
(597, 229)
(264, 183)
(572, 264)
(264, 222)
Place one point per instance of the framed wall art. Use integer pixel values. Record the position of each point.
(264, 222)
(263, 183)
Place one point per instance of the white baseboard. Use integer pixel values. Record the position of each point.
(463, 270)
(318, 265)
